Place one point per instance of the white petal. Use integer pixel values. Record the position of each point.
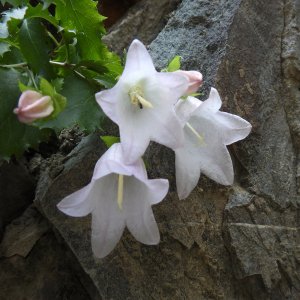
(234, 127)
(113, 161)
(138, 60)
(213, 103)
(174, 86)
(108, 100)
(107, 219)
(185, 107)
(187, 171)
(213, 157)
(137, 209)
(80, 203)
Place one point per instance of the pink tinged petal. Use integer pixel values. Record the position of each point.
(29, 97)
(81, 202)
(195, 80)
(234, 127)
(41, 108)
(138, 197)
(107, 219)
(138, 60)
(187, 171)
(185, 107)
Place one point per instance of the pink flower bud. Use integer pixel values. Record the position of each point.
(195, 79)
(33, 105)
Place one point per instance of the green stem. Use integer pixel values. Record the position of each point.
(53, 38)
(32, 78)
(20, 65)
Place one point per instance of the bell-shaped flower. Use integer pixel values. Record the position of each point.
(118, 195)
(195, 80)
(207, 131)
(32, 106)
(142, 104)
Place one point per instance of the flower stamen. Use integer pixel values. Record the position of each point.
(199, 136)
(120, 191)
(137, 98)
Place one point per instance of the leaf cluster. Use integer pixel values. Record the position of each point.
(54, 47)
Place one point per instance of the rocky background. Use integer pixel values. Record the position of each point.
(239, 242)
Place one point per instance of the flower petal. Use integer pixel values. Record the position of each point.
(107, 219)
(28, 97)
(107, 100)
(234, 127)
(174, 86)
(138, 60)
(80, 203)
(185, 107)
(213, 156)
(137, 208)
(187, 171)
(213, 103)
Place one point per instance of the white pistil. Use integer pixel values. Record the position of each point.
(136, 98)
(120, 191)
(199, 136)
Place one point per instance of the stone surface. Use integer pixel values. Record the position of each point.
(240, 242)
(142, 21)
(47, 273)
(14, 200)
(21, 234)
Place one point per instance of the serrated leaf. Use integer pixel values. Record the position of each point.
(81, 109)
(83, 17)
(34, 46)
(4, 47)
(174, 64)
(38, 12)
(15, 137)
(109, 140)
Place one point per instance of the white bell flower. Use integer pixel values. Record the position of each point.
(207, 131)
(142, 104)
(118, 195)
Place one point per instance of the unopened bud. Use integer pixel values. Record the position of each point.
(32, 106)
(195, 79)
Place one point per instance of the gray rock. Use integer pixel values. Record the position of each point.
(220, 243)
(14, 200)
(21, 235)
(143, 21)
(47, 273)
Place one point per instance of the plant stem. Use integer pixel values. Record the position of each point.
(53, 38)
(20, 65)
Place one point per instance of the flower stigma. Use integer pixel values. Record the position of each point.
(199, 136)
(137, 98)
(120, 191)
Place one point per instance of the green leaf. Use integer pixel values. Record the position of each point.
(34, 46)
(39, 12)
(15, 137)
(174, 64)
(83, 17)
(81, 108)
(109, 140)
(15, 2)
(4, 47)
